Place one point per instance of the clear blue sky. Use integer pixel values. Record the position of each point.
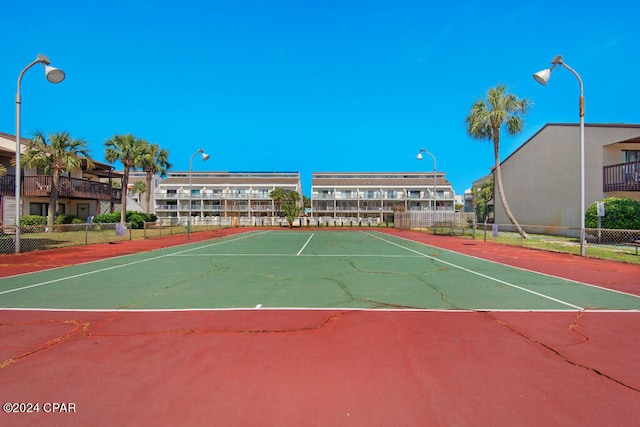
(306, 86)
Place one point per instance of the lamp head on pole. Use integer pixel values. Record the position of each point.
(543, 76)
(419, 156)
(53, 74)
(205, 156)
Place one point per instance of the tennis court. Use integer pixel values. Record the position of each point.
(317, 327)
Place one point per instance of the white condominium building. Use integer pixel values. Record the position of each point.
(379, 194)
(222, 194)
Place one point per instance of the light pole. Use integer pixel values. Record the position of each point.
(542, 77)
(53, 75)
(419, 157)
(433, 212)
(205, 157)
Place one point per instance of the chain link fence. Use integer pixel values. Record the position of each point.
(32, 238)
(618, 245)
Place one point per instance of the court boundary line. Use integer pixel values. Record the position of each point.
(340, 309)
(512, 285)
(120, 256)
(249, 234)
(101, 270)
(309, 256)
(616, 291)
(305, 244)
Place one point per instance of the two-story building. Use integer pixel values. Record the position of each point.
(81, 193)
(222, 194)
(379, 194)
(542, 177)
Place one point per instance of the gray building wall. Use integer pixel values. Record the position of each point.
(542, 177)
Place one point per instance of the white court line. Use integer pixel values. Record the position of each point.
(305, 244)
(48, 282)
(339, 309)
(590, 285)
(302, 255)
(479, 274)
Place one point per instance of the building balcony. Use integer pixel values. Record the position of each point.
(164, 208)
(72, 188)
(8, 185)
(621, 177)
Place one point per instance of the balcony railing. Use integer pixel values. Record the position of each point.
(621, 177)
(74, 188)
(8, 185)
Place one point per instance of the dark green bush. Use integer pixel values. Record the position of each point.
(621, 214)
(68, 219)
(33, 223)
(33, 220)
(137, 219)
(107, 218)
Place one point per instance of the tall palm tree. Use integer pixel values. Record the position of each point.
(499, 108)
(138, 187)
(155, 161)
(60, 154)
(277, 195)
(129, 150)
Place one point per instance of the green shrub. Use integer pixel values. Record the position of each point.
(137, 219)
(33, 223)
(620, 214)
(32, 220)
(107, 218)
(68, 219)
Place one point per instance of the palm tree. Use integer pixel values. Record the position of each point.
(290, 206)
(138, 187)
(155, 161)
(277, 195)
(129, 150)
(481, 199)
(484, 121)
(60, 154)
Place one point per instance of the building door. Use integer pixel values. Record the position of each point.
(83, 210)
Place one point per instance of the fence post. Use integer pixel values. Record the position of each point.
(86, 233)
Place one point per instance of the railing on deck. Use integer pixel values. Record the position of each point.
(40, 186)
(621, 177)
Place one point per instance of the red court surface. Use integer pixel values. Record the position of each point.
(338, 368)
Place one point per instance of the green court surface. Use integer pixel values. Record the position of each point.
(305, 270)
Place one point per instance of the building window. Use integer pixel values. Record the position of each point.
(630, 156)
(39, 209)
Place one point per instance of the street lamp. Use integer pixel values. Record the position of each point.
(542, 77)
(53, 75)
(205, 157)
(419, 157)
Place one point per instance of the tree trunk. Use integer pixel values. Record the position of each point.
(147, 194)
(123, 198)
(498, 183)
(53, 201)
